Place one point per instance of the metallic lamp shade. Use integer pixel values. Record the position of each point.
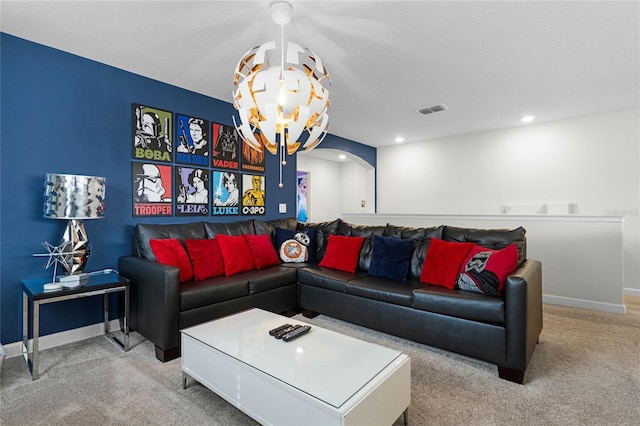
(74, 197)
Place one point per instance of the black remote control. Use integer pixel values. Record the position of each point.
(295, 333)
(281, 333)
(275, 330)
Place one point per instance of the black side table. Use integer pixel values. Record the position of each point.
(33, 294)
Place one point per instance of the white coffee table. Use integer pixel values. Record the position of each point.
(320, 378)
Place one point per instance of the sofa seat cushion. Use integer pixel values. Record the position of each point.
(383, 289)
(459, 303)
(194, 294)
(270, 278)
(331, 279)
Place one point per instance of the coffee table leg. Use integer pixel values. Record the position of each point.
(405, 415)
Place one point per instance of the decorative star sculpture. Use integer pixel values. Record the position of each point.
(56, 255)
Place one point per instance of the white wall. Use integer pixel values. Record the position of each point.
(337, 187)
(324, 188)
(592, 161)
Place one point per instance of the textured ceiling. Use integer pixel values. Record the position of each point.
(489, 62)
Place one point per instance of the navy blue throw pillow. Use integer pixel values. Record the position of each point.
(390, 258)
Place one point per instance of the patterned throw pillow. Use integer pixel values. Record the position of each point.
(484, 270)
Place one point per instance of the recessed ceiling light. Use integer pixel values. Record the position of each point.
(342, 157)
(399, 139)
(527, 118)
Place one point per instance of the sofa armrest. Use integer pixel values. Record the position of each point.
(155, 299)
(523, 305)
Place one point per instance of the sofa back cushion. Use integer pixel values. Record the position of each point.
(495, 239)
(421, 238)
(142, 233)
(233, 228)
(269, 226)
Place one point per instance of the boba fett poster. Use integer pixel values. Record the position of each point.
(152, 189)
(152, 139)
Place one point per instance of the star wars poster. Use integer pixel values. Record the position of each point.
(253, 195)
(152, 189)
(225, 147)
(152, 134)
(192, 136)
(192, 194)
(252, 159)
(226, 197)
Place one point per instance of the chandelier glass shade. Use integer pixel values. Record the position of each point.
(282, 107)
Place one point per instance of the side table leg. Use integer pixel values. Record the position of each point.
(125, 321)
(124, 342)
(26, 354)
(35, 374)
(405, 416)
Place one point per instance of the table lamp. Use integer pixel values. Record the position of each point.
(74, 198)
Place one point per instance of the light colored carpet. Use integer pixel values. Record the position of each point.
(585, 371)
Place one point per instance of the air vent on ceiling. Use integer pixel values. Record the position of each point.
(431, 110)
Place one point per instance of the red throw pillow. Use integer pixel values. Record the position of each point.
(342, 253)
(170, 252)
(484, 270)
(206, 258)
(236, 254)
(442, 263)
(262, 250)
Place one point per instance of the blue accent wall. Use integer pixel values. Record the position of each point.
(62, 113)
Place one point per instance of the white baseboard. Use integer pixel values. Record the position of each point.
(584, 304)
(62, 338)
(632, 292)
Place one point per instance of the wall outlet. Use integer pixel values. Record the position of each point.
(282, 207)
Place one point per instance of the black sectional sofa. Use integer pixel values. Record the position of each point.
(501, 330)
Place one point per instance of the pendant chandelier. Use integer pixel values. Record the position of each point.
(281, 106)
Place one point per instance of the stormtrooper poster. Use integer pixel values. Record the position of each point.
(226, 197)
(253, 195)
(225, 151)
(192, 191)
(252, 159)
(192, 136)
(152, 189)
(152, 134)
